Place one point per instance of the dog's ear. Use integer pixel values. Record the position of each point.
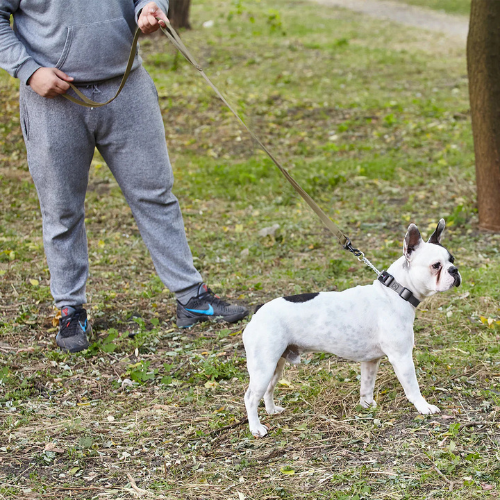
(437, 235)
(412, 241)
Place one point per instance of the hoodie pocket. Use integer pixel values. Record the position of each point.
(96, 51)
(24, 118)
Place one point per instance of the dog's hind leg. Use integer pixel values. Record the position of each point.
(271, 408)
(262, 370)
(259, 381)
(368, 375)
(264, 348)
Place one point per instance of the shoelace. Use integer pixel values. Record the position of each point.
(209, 294)
(75, 316)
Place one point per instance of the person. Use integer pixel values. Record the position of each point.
(51, 44)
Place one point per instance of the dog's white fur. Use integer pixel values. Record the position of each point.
(360, 324)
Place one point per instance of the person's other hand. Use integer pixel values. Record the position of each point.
(148, 22)
(49, 82)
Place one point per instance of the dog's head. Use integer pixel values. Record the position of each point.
(430, 265)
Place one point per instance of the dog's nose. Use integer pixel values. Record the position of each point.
(456, 275)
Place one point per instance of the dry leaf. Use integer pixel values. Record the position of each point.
(53, 447)
(55, 319)
(285, 383)
(161, 407)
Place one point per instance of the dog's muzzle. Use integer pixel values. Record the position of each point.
(453, 271)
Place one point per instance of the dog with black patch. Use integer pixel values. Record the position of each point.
(362, 324)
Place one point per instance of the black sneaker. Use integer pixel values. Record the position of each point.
(74, 331)
(207, 306)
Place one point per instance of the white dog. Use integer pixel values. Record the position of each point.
(361, 324)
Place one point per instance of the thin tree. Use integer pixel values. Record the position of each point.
(178, 13)
(483, 66)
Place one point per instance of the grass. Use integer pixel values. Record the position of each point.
(450, 6)
(373, 119)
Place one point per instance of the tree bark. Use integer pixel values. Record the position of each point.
(483, 67)
(178, 13)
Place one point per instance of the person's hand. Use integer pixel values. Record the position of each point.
(49, 82)
(148, 22)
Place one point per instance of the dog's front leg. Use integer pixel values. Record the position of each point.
(405, 371)
(368, 375)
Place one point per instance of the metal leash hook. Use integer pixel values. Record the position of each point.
(361, 256)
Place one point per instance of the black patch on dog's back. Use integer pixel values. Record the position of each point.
(303, 297)
(257, 307)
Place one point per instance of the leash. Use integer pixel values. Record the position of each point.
(89, 103)
(179, 45)
(385, 278)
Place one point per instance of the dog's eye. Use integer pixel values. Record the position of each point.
(437, 265)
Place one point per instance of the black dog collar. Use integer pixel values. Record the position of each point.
(388, 280)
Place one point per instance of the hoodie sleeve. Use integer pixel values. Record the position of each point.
(140, 4)
(14, 57)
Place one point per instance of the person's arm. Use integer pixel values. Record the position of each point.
(14, 57)
(147, 12)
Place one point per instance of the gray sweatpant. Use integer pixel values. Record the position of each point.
(60, 139)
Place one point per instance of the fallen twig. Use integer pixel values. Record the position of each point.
(444, 477)
(82, 488)
(472, 424)
(227, 427)
(450, 483)
(138, 490)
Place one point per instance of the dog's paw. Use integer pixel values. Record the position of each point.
(259, 431)
(426, 409)
(366, 404)
(274, 410)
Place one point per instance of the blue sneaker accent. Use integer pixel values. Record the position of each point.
(207, 312)
(192, 312)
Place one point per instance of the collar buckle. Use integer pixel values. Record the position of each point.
(385, 278)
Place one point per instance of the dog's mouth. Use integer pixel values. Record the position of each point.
(458, 280)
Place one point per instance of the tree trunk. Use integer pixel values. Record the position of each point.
(483, 66)
(178, 13)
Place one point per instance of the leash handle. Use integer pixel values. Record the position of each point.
(89, 103)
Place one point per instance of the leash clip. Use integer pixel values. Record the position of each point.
(348, 246)
(360, 255)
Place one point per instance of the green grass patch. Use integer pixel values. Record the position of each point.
(451, 6)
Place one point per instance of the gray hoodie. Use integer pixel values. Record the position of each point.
(89, 40)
